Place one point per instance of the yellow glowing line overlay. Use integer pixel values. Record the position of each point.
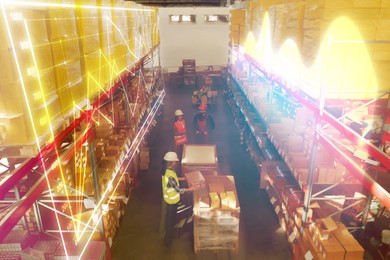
(114, 73)
(342, 64)
(62, 5)
(48, 116)
(131, 150)
(28, 105)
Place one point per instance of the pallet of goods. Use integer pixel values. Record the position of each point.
(216, 215)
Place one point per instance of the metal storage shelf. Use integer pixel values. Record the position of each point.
(249, 74)
(19, 203)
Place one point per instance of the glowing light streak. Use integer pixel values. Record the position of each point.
(123, 38)
(50, 124)
(97, 83)
(64, 5)
(79, 222)
(83, 162)
(134, 145)
(105, 117)
(35, 73)
(364, 178)
(26, 98)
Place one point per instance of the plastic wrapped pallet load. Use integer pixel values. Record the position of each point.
(216, 215)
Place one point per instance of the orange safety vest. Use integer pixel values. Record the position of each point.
(181, 137)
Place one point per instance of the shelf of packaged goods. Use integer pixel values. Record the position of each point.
(20, 172)
(356, 167)
(254, 121)
(17, 211)
(130, 146)
(26, 167)
(47, 164)
(325, 116)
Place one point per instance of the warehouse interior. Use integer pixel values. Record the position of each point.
(297, 166)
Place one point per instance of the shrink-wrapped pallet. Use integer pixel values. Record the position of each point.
(62, 23)
(216, 221)
(89, 22)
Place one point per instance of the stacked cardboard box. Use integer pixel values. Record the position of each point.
(65, 181)
(102, 126)
(93, 250)
(34, 76)
(369, 17)
(144, 158)
(64, 43)
(110, 225)
(327, 240)
(16, 241)
(48, 247)
(100, 146)
(195, 179)
(189, 73)
(287, 21)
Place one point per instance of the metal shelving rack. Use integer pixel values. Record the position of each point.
(32, 169)
(362, 170)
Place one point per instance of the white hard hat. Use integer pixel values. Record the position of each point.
(178, 112)
(170, 157)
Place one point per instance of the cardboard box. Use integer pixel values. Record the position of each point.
(100, 148)
(224, 200)
(335, 251)
(353, 251)
(215, 201)
(195, 179)
(204, 202)
(216, 187)
(328, 223)
(107, 162)
(232, 200)
(112, 150)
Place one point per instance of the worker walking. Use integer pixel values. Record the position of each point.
(203, 124)
(179, 132)
(171, 195)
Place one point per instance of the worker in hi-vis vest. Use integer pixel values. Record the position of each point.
(179, 132)
(171, 195)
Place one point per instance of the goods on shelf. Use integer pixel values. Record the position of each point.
(189, 73)
(73, 75)
(301, 140)
(338, 243)
(144, 158)
(54, 249)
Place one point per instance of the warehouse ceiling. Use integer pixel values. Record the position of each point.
(184, 3)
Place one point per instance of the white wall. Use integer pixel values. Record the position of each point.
(204, 42)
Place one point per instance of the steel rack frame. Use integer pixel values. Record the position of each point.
(358, 168)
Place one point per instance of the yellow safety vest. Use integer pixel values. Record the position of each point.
(171, 196)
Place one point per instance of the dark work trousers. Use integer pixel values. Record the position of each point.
(201, 138)
(170, 222)
(178, 149)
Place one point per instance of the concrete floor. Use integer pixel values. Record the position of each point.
(260, 234)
